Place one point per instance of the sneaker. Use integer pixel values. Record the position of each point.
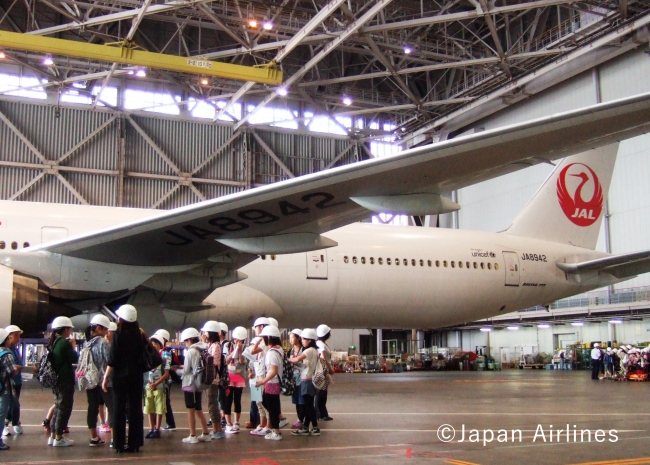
(96, 442)
(223, 423)
(231, 430)
(209, 423)
(301, 432)
(156, 434)
(18, 429)
(204, 438)
(50, 441)
(111, 444)
(274, 436)
(235, 428)
(258, 431)
(283, 422)
(191, 440)
(104, 428)
(219, 435)
(328, 418)
(149, 434)
(6, 432)
(3, 446)
(297, 425)
(315, 432)
(169, 428)
(63, 442)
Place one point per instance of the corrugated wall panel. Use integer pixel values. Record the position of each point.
(12, 180)
(96, 189)
(141, 157)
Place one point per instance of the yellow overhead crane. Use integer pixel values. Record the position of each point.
(129, 54)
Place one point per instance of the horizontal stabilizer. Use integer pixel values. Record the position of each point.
(619, 266)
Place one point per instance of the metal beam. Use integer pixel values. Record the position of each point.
(341, 154)
(270, 152)
(165, 196)
(27, 186)
(216, 153)
(153, 145)
(68, 186)
(484, 8)
(24, 139)
(215, 19)
(326, 50)
(86, 139)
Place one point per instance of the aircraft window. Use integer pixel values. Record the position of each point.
(354, 260)
(489, 266)
(437, 263)
(406, 262)
(444, 263)
(413, 261)
(263, 257)
(14, 245)
(460, 264)
(429, 262)
(388, 261)
(496, 267)
(346, 259)
(2, 245)
(25, 245)
(363, 260)
(482, 265)
(475, 265)
(467, 265)
(453, 264)
(380, 261)
(397, 261)
(322, 258)
(272, 257)
(372, 260)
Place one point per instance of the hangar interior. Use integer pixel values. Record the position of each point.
(361, 80)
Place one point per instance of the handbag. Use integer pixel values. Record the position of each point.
(151, 358)
(319, 379)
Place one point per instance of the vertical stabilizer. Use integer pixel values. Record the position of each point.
(570, 205)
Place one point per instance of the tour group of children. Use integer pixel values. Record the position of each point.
(259, 363)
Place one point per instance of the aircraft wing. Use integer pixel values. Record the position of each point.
(290, 215)
(619, 266)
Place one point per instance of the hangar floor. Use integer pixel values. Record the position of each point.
(400, 418)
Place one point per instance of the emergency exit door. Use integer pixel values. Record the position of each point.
(512, 268)
(317, 264)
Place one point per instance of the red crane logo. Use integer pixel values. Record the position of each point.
(578, 210)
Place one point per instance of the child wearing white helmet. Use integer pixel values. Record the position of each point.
(236, 371)
(325, 353)
(296, 397)
(255, 354)
(154, 388)
(99, 349)
(169, 356)
(309, 358)
(211, 331)
(14, 411)
(7, 371)
(64, 356)
(192, 385)
(273, 362)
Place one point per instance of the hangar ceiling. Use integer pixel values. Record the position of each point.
(415, 63)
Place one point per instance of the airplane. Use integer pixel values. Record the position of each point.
(263, 252)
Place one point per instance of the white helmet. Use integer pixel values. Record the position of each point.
(322, 330)
(224, 328)
(158, 338)
(100, 320)
(62, 322)
(273, 322)
(189, 333)
(270, 330)
(112, 326)
(127, 313)
(595, 345)
(13, 329)
(162, 333)
(297, 332)
(212, 326)
(3, 335)
(239, 333)
(309, 333)
(261, 321)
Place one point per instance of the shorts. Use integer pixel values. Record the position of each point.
(193, 400)
(155, 402)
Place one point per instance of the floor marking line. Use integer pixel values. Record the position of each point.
(637, 461)
(459, 462)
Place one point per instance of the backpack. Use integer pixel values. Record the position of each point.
(287, 382)
(5, 379)
(45, 373)
(206, 371)
(87, 374)
(224, 377)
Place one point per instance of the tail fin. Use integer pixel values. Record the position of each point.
(570, 205)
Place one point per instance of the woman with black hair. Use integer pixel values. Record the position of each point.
(64, 356)
(307, 388)
(324, 352)
(99, 348)
(273, 362)
(125, 371)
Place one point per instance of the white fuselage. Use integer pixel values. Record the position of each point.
(357, 284)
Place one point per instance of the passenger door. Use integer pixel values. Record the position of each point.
(512, 268)
(317, 264)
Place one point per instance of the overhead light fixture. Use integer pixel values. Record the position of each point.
(577, 323)
(347, 101)
(204, 81)
(221, 104)
(407, 49)
(616, 321)
(142, 72)
(45, 80)
(486, 329)
(252, 23)
(2, 55)
(267, 25)
(282, 91)
(544, 325)
(513, 328)
(47, 61)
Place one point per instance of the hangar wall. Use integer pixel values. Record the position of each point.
(492, 205)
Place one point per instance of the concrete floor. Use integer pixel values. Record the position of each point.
(399, 418)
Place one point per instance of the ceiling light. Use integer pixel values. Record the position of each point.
(544, 325)
(486, 329)
(347, 101)
(45, 80)
(252, 23)
(221, 104)
(267, 25)
(513, 328)
(407, 49)
(616, 321)
(141, 72)
(2, 55)
(47, 61)
(282, 91)
(204, 81)
(577, 323)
